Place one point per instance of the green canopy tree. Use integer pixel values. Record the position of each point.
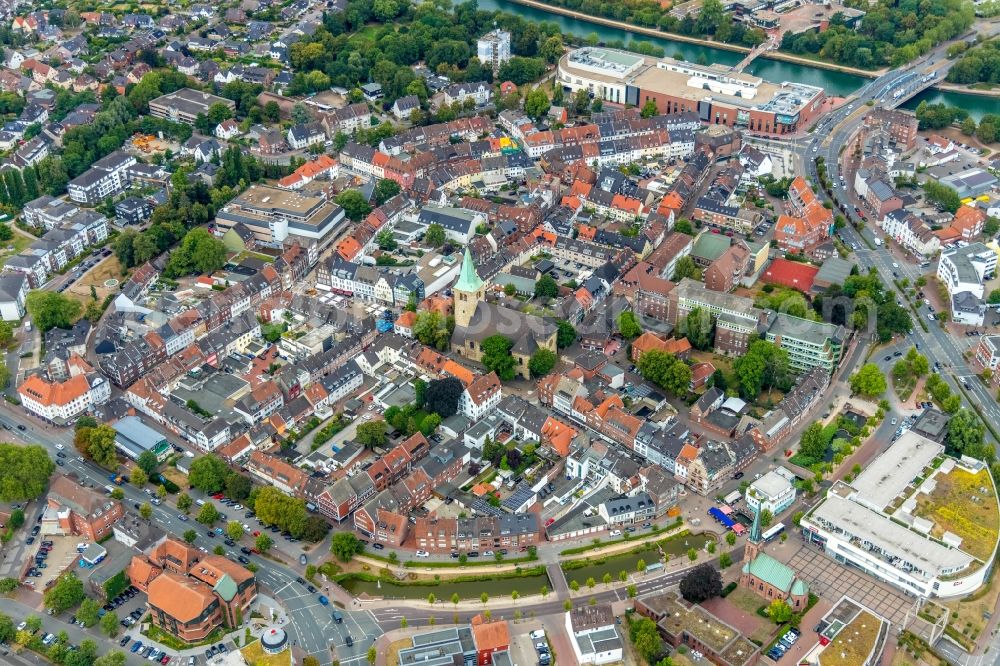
(497, 357)
(628, 325)
(50, 309)
(26, 471)
(542, 362)
(868, 381)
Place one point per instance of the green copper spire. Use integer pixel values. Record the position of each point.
(755, 528)
(468, 280)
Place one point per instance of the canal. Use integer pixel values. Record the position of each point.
(833, 82)
(495, 587)
(627, 562)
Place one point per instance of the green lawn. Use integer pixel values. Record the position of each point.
(15, 246)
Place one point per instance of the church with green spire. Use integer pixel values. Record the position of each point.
(477, 319)
(769, 578)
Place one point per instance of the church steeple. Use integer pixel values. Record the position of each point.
(469, 291)
(752, 547)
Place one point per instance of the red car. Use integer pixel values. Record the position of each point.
(218, 496)
(256, 533)
(549, 521)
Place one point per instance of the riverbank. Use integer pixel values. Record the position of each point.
(652, 32)
(963, 89)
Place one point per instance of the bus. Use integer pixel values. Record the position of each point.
(772, 533)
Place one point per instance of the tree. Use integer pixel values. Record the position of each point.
(354, 204)
(199, 252)
(434, 236)
(184, 502)
(966, 436)
(542, 362)
(868, 381)
(190, 536)
(386, 189)
(497, 357)
(263, 543)
(546, 287)
(484, 597)
(731, 538)
(66, 593)
(431, 598)
(208, 474)
(113, 658)
(238, 487)
(50, 309)
(628, 325)
(566, 334)
(779, 611)
(371, 434)
(26, 471)
(234, 530)
(89, 612)
(725, 560)
(386, 240)
(813, 443)
(698, 328)
(766, 517)
(536, 104)
(147, 462)
(685, 267)
(442, 396)
(208, 514)
(765, 365)
(701, 583)
(139, 478)
(649, 109)
(646, 638)
(109, 624)
(372, 655)
(666, 371)
(345, 546)
(146, 511)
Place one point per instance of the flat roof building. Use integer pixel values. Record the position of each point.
(895, 520)
(133, 437)
(185, 104)
(717, 94)
(274, 214)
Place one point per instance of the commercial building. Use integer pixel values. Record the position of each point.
(717, 94)
(274, 215)
(773, 491)
(190, 594)
(693, 626)
(593, 635)
(62, 401)
(72, 509)
(133, 438)
(894, 520)
(184, 105)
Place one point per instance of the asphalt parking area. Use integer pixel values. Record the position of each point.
(62, 556)
(832, 580)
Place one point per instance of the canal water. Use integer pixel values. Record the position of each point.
(627, 561)
(497, 588)
(833, 82)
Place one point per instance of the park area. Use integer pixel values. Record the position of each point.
(965, 504)
(105, 278)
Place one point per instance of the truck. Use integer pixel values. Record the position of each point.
(116, 479)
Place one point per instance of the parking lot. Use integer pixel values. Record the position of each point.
(61, 555)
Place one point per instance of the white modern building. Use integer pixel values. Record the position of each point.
(892, 522)
(593, 635)
(13, 292)
(966, 268)
(773, 491)
(493, 48)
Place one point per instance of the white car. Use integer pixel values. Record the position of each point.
(895, 265)
(537, 635)
(423, 553)
(22, 626)
(615, 533)
(60, 447)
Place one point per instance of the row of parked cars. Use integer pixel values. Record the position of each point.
(541, 647)
(784, 644)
